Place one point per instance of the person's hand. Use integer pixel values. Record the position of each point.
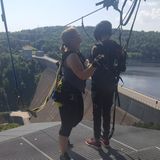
(86, 63)
(98, 61)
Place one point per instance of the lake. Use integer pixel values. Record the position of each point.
(145, 80)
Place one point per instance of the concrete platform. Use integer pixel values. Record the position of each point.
(39, 141)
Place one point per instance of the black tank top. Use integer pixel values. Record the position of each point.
(71, 82)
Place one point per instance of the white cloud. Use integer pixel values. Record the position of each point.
(148, 17)
(152, 14)
(153, 2)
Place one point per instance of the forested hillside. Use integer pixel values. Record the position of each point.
(143, 46)
(28, 74)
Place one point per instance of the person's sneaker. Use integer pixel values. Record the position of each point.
(93, 143)
(104, 142)
(65, 156)
(70, 145)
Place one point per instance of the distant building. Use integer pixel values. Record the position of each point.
(27, 52)
(39, 53)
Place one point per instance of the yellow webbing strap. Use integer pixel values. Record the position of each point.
(34, 111)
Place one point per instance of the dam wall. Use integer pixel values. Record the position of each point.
(142, 107)
(145, 108)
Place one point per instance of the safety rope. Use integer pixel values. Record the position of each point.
(84, 16)
(123, 20)
(131, 29)
(34, 111)
(18, 94)
(83, 27)
(116, 99)
(123, 23)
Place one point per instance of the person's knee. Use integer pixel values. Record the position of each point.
(65, 131)
(77, 120)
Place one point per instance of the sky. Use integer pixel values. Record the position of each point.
(29, 14)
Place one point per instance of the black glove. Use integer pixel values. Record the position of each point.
(98, 61)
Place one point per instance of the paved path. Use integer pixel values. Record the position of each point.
(39, 141)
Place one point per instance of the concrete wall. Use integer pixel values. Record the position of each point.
(140, 106)
(143, 107)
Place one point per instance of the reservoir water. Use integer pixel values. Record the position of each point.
(145, 80)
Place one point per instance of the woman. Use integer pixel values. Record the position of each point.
(73, 85)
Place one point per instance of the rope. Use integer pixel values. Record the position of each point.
(116, 94)
(86, 31)
(116, 98)
(123, 21)
(126, 47)
(84, 16)
(34, 111)
(18, 94)
(19, 98)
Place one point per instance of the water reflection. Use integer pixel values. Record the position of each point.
(145, 80)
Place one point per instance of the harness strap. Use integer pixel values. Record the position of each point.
(116, 98)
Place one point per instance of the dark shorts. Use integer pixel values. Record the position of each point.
(71, 113)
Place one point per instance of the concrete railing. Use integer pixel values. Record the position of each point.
(154, 103)
(143, 107)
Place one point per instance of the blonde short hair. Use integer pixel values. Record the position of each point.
(68, 35)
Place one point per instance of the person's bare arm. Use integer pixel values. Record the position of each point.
(74, 63)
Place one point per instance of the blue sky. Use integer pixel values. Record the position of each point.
(29, 14)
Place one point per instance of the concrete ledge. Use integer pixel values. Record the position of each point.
(143, 107)
(20, 117)
(149, 101)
